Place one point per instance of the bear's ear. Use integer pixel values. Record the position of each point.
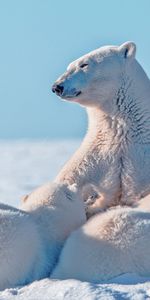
(127, 50)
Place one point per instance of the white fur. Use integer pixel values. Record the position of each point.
(108, 245)
(30, 242)
(115, 154)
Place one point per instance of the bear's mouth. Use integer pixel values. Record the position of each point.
(74, 95)
(78, 93)
(71, 96)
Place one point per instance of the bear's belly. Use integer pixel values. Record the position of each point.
(122, 177)
(101, 174)
(121, 174)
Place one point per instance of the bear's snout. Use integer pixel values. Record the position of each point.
(57, 89)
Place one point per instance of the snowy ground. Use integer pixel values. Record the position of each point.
(23, 166)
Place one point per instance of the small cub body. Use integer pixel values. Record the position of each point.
(109, 244)
(31, 239)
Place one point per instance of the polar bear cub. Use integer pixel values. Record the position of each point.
(31, 240)
(109, 244)
(22, 255)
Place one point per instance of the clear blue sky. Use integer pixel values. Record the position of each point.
(38, 38)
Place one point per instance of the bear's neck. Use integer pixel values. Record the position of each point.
(102, 129)
(125, 117)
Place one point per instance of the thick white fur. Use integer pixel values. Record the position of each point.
(108, 245)
(30, 242)
(115, 154)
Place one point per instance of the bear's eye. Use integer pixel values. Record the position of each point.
(83, 66)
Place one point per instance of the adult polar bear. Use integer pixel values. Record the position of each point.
(115, 154)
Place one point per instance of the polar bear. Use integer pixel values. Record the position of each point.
(109, 244)
(31, 238)
(115, 153)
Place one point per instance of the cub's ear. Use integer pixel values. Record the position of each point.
(127, 50)
(24, 198)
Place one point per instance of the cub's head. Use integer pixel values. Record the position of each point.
(95, 77)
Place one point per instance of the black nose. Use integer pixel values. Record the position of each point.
(58, 89)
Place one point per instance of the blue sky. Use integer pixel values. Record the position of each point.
(38, 38)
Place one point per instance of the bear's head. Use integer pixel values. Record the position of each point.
(96, 77)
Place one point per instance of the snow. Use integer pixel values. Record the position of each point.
(23, 166)
(47, 289)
